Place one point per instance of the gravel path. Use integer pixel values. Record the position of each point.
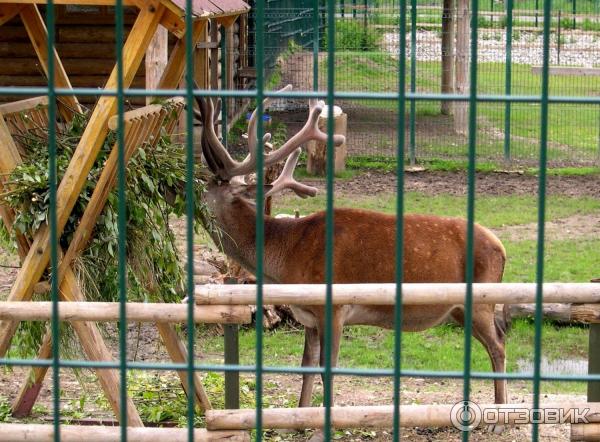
(581, 49)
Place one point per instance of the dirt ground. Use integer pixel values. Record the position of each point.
(144, 343)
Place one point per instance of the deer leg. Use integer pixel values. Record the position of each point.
(309, 359)
(491, 334)
(337, 327)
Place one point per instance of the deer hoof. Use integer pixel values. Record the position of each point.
(318, 436)
(495, 428)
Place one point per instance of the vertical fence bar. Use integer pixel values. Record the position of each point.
(537, 8)
(558, 37)
(224, 85)
(413, 82)
(189, 203)
(52, 221)
(316, 39)
(122, 219)
(327, 377)
(537, 356)
(399, 277)
(260, 210)
(469, 271)
(574, 12)
(508, 79)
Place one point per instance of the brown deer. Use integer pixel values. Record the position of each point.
(364, 250)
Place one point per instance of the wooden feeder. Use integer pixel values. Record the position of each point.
(140, 126)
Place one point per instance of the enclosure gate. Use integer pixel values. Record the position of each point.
(402, 98)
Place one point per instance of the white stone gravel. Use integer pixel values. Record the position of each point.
(581, 49)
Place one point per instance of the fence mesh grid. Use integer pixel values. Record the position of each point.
(397, 93)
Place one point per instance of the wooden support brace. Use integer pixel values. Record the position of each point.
(83, 158)
(38, 34)
(91, 340)
(8, 11)
(179, 354)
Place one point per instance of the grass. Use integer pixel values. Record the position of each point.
(491, 211)
(572, 129)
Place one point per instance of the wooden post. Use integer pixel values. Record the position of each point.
(317, 151)
(447, 54)
(38, 34)
(461, 108)
(157, 57)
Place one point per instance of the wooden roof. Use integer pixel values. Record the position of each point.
(200, 8)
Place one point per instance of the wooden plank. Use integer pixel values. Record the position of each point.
(385, 293)
(157, 57)
(23, 105)
(178, 354)
(201, 61)
(76, 309)
(568, 70)
(71, 2)
(36, 29)
(8, 11)
(98, 433)
(83, 158)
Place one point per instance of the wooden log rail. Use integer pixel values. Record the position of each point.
(136, 312)
(381, 416)
(90, 433)
(385, 294)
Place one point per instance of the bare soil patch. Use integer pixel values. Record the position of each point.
(452, 183)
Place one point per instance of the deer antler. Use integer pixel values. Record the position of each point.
(225, 167)
(286, 180)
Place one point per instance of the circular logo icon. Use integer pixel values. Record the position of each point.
(465, 415)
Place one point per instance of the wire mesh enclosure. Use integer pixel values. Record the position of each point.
(470, 81)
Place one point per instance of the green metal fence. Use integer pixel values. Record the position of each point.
(404, 96)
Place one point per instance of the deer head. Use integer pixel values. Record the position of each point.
(230, 175)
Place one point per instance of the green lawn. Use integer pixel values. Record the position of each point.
(571, 128)
(491, 211)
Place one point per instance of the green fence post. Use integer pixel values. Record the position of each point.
(574, 12)
(316, 40)
(508, 79)
(593, 389)
(232, 357)
(224, 85)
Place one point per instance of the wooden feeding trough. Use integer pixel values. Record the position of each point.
(141, 126)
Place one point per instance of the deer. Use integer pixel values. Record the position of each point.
(364, 248)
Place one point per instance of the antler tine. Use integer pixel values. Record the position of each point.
(252, 126)
(286, 179)
(210, 141)
(310, 131)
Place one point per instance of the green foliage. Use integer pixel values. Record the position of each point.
(153, 267)
(354, 36)
(5, 410)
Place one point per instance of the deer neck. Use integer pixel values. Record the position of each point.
(236, 220)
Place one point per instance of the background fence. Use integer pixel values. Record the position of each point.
(367, 57)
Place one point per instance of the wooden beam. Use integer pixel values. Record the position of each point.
(201, 61)
(385, 294)
(83, 158)
(178, 354)
(157, 56)
(585, 432)
(136, 312)
(89, 433)
(8, 11)
(176, 65)
(38, 34)
(71, 2)
(381, 416)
